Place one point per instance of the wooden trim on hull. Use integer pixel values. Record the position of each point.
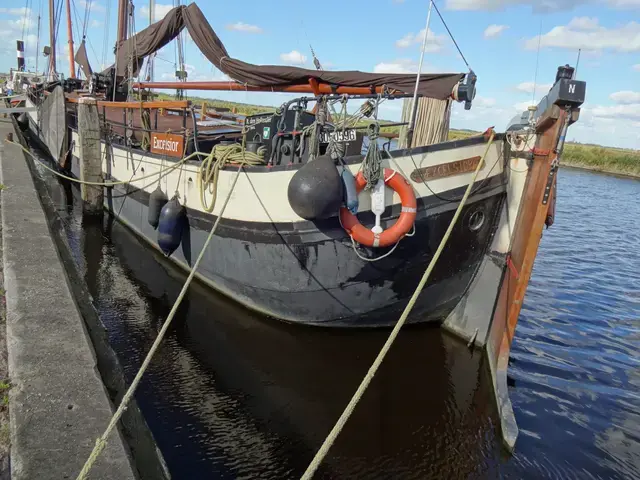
(517, 273)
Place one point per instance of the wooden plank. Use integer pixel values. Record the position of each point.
(548, 118)
(141, 105)
(167, 104)
(531, 221)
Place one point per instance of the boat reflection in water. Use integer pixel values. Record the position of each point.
(236, 395)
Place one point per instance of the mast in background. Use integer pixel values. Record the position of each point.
(72, 62)
(52, 41)
(123, 7)
(38, 40)
(152, 12)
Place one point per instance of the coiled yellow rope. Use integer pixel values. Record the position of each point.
(210, 168)
(331, 438)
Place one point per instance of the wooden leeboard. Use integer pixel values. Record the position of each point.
(167, 144)
(443, 170)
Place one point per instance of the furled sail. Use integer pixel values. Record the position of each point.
(133, 51)
(83, 60)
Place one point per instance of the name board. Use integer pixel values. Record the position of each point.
(167, 144)
(258, 119)
(445, 169)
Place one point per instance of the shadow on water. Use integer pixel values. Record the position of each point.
(231, 394)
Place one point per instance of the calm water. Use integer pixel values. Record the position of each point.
(232, 395)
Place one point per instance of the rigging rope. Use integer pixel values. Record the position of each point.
(535, 78)
(106, 35)
(372, 163)
(324, 449)
(27, 16)
(337, 149)
(450, 34)
(106, 184)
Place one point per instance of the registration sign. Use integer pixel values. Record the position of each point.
(167, 144)
(339, 136)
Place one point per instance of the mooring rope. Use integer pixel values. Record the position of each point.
(102, 441)
(210, 167)
(107, 184)
(331, 438)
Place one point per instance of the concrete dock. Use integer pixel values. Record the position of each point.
(58, 403)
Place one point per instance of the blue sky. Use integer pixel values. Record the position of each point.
(498, 37)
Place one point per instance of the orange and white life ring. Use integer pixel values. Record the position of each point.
(395, 233)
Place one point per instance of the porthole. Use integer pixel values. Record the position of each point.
(476, 220)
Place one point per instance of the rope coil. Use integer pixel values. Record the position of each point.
(372, 163)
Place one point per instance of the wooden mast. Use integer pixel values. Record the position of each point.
(122, 20)
(72, 62)
(52, 40)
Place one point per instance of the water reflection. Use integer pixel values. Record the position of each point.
(234, 395)
(238, 395)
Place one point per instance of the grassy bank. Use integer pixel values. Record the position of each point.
(602, 159)
(592, 157)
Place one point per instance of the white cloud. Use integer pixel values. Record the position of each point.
(14, 11)
(494, 30)
(583, 23)
(95, 24)
(12, 23)
(522, 106)
(536, 5)
(434, 42)
(528, 87)
(94, 6)
(405, 65)
(159, 11)
(244, 27)
(294, 57)
(617, 112)
(636, 67)
(402, 65)
(625, 97)
(484, 102)
(624, 38)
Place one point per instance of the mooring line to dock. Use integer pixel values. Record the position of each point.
(102, 441)
(107, 184)
(337, 428)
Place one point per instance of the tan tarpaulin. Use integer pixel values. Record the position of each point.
(431, 125)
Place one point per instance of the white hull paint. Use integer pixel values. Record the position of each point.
(262, 196)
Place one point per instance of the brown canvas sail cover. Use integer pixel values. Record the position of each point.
(154, 37)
